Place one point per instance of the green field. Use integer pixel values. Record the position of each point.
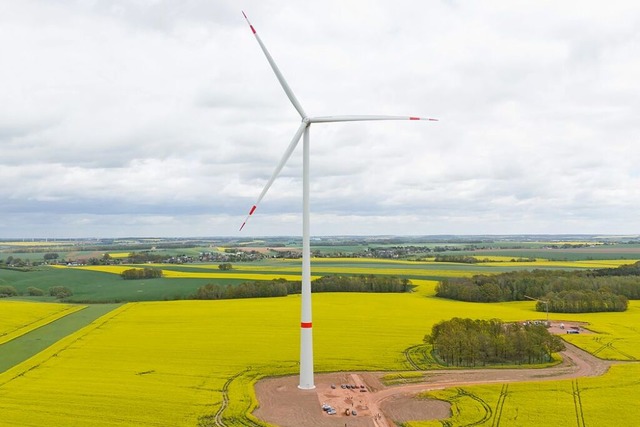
(33, 342)
(103, 287)
(193, 363)
(103, 283)
(539, 250)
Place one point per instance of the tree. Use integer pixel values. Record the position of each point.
(60, 292)
(574, 291)
(467, 342)
(141, 273)
(7, 291)
(225, 266)
(16, 262)
(586, 301)
(50, 256)
(34, 292)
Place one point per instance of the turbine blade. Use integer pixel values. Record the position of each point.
(276, 70)
(329, 119)
(276, 172)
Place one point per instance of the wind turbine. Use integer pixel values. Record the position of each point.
(306, 334)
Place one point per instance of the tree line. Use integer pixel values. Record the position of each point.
(565, 291)
(258, 289)
(362, 283)
(585, 301)
(59, 292)
(281, 287)
(468, 259)
(141, 273)
(623, 270)
(468, 342)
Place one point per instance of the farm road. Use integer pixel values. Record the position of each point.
(282, 404)
(32, 343)
(576, 363)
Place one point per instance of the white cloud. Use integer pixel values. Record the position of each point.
(164, 118)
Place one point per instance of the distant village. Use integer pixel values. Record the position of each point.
(142, 251)
(238, 255)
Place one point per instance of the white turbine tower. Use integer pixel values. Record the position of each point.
(306, 336)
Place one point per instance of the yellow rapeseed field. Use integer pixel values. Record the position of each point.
(317, 267)
(600, 401)
(618, 336)
(366, 261)
(179, 363)
(369, 266)
(167, 362)
(609, 263)
(248, 272)
(147, 364)
(119, 254)
(232, 275)
(33, 243)
(19, 317)
(113, 269)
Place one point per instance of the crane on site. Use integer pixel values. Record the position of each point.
(546, 304)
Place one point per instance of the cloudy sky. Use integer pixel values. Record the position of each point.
(163, 118)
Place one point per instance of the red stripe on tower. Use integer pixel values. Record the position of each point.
(305, 325)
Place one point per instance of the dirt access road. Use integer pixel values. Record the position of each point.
(283, 404)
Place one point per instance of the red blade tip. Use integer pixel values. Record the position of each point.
(250, 26)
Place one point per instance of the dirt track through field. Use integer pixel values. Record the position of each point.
(283, 404)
